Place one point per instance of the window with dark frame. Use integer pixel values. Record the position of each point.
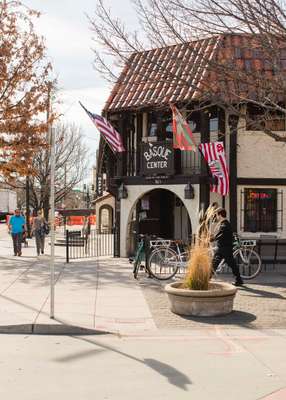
(257, 120)
(260, 210)
(152, 124)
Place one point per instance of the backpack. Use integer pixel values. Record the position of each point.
(46, 228)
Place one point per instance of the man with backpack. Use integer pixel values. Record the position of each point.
(40, 230)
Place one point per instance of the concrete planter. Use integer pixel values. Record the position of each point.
(218, 300)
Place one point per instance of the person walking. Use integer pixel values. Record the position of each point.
(40, 230)
(17, 225)
(224, 248)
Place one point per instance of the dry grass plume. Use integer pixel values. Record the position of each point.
(199, 270)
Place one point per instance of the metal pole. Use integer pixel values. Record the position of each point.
(28, 207)
(67, 247)
(52, 230)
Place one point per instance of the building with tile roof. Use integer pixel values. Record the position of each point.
(195, 76)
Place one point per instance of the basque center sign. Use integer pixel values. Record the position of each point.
(157, 158)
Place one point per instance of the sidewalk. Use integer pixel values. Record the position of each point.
(99, 295)
(178, 357)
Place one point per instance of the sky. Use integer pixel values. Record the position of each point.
(68, 38)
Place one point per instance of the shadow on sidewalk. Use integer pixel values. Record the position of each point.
(252, 292)
(240, 318)
(173, 375)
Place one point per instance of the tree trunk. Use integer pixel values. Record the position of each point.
(46, 208)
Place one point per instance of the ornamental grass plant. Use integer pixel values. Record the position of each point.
(199, 270)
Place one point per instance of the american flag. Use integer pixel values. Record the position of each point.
(111, 136)
(214, 155)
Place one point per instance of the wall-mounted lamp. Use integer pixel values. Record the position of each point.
(122, 192)
(189, 191)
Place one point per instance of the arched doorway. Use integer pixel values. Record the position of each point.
(159, 212)
(105, 222)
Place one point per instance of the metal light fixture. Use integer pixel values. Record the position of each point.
(189, 192)
(122, 192)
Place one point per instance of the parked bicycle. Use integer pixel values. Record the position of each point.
(247, 259)
(166, 258)
(163, 259)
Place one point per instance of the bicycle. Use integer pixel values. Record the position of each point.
(165, 262)
(157, 264)
(247, 259)
(139, 256)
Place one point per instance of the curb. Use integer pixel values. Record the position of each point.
(49, 329)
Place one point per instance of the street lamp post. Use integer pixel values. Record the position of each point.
(86, 195)
(52, 230)
(28, 206)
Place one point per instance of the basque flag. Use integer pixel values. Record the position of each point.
(183, 138)
(214, 155)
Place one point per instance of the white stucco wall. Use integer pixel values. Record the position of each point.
(215, 197)
(259, 156)
(136, 192)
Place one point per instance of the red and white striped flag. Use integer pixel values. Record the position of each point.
(111, 136)
(214, 155)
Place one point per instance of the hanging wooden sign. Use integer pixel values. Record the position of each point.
(157, 158)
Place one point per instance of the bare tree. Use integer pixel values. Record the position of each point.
(231, 84)
(71, 166)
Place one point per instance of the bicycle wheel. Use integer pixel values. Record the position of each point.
(183, 260)
(163, 263)
(248, 261)
(137, 262)
(136, 266)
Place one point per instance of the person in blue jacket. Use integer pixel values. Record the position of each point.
(17, 225)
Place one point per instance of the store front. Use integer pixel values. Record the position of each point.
(261, 211)
(162, 212)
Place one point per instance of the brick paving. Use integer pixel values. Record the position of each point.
(259, 304)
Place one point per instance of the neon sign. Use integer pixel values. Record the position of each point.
(260, 196)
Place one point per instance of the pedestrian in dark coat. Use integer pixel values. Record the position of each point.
(224, 246)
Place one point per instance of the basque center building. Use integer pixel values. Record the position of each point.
(158, 190)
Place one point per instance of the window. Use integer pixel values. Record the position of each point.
(275, 124)
(153, 129)
(167, 126)
(260, 210)
(214, 124)
(237, 52)
(192, 125)
(258, 54)
(152, 124)
(258, 119)
(248, 65)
